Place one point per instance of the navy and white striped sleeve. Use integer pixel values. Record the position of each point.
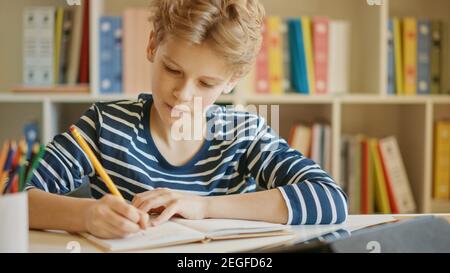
(311, 195)
(64, 164)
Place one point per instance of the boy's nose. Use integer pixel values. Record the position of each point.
(184, 93)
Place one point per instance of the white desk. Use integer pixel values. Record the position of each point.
(43, 241)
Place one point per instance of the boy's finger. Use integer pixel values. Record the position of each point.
(126, 210)
(143, 222)
(121, 223)
(159, 201)
(165, 215)
(142, 197)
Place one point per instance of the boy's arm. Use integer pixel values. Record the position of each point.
(266, 206)
(108, 217)
(51, 211)
(308, 193)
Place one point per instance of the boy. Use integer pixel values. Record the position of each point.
(198, 49)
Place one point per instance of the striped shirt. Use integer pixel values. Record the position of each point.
(241, 154)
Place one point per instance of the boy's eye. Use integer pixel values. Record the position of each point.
(207, 85)
(171, 70)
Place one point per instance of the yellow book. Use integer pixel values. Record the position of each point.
(275, 55)
(381, 194)
(398, 56)
(58, 37)
(306, 27)
(442, 160)
(410, 55)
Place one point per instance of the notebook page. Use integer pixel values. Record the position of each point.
(222, 227)
(168, 233)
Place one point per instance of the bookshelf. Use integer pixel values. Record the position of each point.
(365, 108)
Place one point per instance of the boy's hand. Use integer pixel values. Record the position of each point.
(110, 217)
(168, 203)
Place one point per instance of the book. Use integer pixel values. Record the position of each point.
(367, 176)
(307, 39)
(286, 56)
(38, 46)
(441, 189)
(397, 176)
(300, 139)
(339, 56)
(181, 231)
(354, 176)
(381, 194)
(435, 62)
(316, 143)
(84, 54)
(67, 31)
(391, 59)
(275, 48)
(410, 55)
(389, 185)
(320, 49)
(110, 54)
(57, 42)
(75, 47)
(423, 56)
(398, 51)
(299, 79)
(262, 84)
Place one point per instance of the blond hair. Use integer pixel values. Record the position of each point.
(232, 27)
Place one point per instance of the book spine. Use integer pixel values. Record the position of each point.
(320, 49)
(423, 57)
(57, 43)
(84, 56)
(388, 181)
(275, 48)
(365, 202)
(391, 59)
(396, 171)
(67, 30)
(262, 84)
(286, 56)
(442, 160)
(398, 51)
(299, 79)
(75, 47)
(381, 195)
(339, 57)
(410, 54)
(307, 39)
(39, 30)
(110, 55)
(436, 40)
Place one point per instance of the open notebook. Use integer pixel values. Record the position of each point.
(181, 231)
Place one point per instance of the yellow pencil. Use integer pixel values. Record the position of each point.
(98, 167)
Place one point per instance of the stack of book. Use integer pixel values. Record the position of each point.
(441, 170)
(374, 176)
(414, 56)
(19, 159)
(313, 141)
(56, 46)
(308, 55)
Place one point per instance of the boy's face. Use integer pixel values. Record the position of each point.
(183, 72)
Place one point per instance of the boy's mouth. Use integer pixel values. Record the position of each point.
(177, 108)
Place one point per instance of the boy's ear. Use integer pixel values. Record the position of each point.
(151, 47)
